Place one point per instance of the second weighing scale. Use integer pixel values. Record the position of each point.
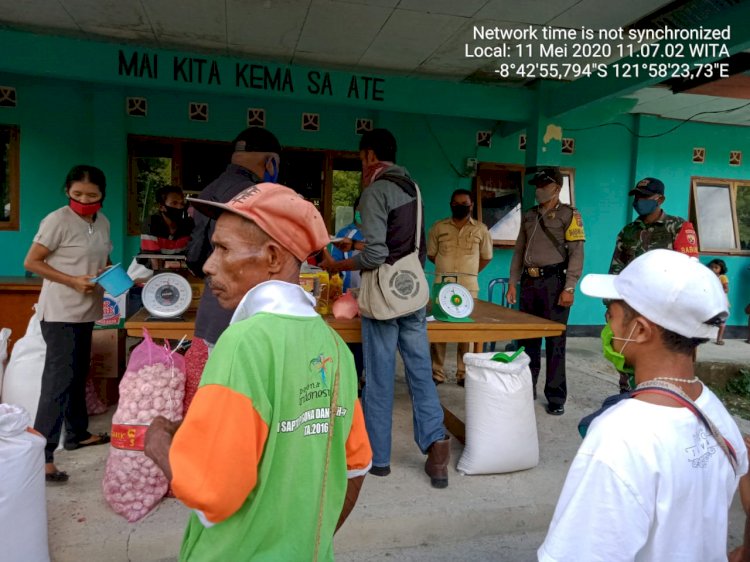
(451, 302)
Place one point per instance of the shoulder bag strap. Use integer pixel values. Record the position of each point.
(558, 246)
(676, 393)
(331, 422)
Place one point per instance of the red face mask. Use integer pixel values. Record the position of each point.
(85, 208)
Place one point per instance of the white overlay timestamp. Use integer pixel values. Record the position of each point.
(571, 71)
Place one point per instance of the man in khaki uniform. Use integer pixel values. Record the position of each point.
(459, 244)
(548, 260)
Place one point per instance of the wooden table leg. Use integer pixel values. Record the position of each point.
(454, 425)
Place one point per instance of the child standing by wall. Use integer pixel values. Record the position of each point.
(720, 269)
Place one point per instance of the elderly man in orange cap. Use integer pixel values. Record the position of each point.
(273, 451)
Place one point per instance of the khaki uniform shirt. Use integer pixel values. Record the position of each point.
(459, 251)
(75, 249)
(535, 249)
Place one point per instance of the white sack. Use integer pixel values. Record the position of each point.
(501, 431)
(4, 337)
(23, 377)
(23, 507)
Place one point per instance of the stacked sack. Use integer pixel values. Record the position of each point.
(23, 506)
(153, 385)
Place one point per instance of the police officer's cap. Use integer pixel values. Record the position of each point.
(547, 175)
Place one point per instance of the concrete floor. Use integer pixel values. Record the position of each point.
(400, 517)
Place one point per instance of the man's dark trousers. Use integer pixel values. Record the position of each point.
(539, 296)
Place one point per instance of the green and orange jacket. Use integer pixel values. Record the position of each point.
(249, 457)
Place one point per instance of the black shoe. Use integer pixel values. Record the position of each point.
(460, 382)
(437, 381)
(555, 410)
(380, 470)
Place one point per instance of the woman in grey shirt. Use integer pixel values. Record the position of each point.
(71, 247)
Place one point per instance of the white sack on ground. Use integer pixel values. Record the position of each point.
(23, 506)
(22, 383)
(4, 337)
(501, 431)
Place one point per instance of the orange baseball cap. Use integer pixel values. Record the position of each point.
(280, 212)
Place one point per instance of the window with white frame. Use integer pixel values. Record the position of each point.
(720, 211)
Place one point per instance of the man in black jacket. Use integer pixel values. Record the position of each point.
(255, 159)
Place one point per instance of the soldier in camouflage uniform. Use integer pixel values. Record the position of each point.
(652, 229)
(548, 261)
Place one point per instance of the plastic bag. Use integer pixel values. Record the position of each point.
(138, 272)
(346, 307)
(195, 361)
(501, 433)
(22, 383)
(23, 509)
(153, 385)
(4, 337)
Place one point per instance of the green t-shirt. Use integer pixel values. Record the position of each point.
(286, 366)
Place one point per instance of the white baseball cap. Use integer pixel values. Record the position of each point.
(669, 288)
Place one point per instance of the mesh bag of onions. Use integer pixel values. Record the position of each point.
(153, 385)
(195, 361)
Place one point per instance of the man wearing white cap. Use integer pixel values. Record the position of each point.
(655, 475)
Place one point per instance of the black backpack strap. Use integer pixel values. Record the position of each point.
(406, 184)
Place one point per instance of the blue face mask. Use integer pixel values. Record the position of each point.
(645, 207)
(271, 177)
(357, 217)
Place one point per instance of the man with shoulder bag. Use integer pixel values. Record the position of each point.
(393, 296)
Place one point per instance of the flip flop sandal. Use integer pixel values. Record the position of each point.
(72, 446)
(57, 477)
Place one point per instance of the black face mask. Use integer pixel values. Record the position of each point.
(174, 213)
(460, 211)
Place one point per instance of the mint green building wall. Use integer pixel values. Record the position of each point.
(65, 122)
(669, 158)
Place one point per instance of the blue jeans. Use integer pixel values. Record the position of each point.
(380, 339)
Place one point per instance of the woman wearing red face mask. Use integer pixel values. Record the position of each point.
(71, 246)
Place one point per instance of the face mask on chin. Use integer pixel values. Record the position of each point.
(84, 209)
(460, 211)
(615, 357)
(645, 207)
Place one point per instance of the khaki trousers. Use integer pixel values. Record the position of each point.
(437, 350)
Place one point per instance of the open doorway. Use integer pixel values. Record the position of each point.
(330, 179)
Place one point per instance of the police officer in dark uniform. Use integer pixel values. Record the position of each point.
(548, 261)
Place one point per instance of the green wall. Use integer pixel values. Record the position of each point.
(66, 122)
(669, 158)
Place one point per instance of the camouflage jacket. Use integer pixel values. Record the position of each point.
(638, 238)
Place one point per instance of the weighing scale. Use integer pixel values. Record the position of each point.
(451, 302)
(166, 296)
